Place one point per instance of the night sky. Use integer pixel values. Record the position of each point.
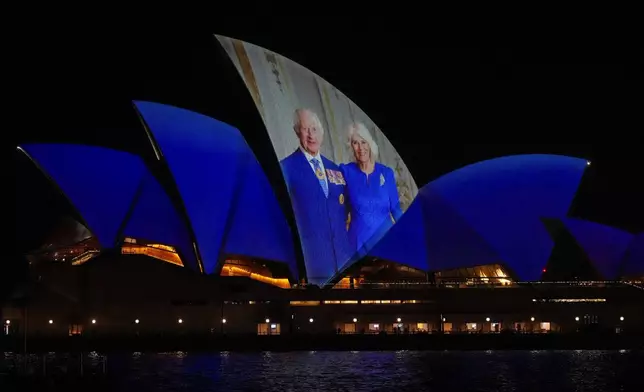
(441, 107)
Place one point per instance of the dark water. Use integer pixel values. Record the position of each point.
(543, 371)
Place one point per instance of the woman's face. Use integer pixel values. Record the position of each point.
(361, 149)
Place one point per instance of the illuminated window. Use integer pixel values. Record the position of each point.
(158, 251)
(85, 257)
(75, 329)
(493, 274)
(305, 303)
(349, 328)
(577, 300)
(345, 283)
(268, 329)
(236, 268)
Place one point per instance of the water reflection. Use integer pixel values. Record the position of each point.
(350, 371)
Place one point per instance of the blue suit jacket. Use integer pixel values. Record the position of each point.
(321, 221)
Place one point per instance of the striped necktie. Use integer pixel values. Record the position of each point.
(319, 173)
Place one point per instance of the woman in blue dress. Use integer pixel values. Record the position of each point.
(372, 195)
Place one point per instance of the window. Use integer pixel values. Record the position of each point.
(349, 328)
(75, 329)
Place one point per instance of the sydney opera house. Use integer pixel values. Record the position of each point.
(202, 239)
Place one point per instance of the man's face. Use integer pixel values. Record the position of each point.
(309, 134)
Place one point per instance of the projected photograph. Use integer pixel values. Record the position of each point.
(347, 183)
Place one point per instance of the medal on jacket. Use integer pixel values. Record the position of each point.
(330, 175)
(382, 180)
(341, 198)
(319, 173)
(340, 178)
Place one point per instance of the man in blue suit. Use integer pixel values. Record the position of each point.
(317, 190)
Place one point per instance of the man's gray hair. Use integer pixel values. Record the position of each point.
(359, 129)
(297, 119)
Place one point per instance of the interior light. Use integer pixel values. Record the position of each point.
(531, 318)
(51, 321)
(268, 321)
(136, 321)
(311, 320)
(93, 321)
(223, 321)
(180, 321)
(355, 320)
